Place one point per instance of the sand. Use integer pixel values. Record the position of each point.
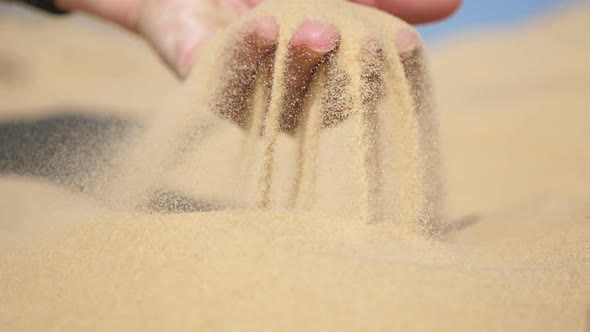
(386, 151)
(515, 254)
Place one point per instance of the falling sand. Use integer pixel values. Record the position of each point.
(389, 140)
(349, 193)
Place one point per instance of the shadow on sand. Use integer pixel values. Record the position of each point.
(67, 149)
(73, 150)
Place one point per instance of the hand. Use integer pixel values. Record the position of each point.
(177, 28)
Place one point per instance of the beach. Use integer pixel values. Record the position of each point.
(513, 253)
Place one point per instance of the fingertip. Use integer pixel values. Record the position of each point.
(317, 36)
(265, 28)
(407, 40)
(445, 9)
(186, 52)
(420, 11)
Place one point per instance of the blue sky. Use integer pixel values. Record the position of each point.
(483, 13)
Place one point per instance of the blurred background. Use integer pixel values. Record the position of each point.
(479, 14)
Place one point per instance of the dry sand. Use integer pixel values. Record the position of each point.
(385, 152)
(516, 255)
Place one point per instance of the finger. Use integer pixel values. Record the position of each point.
(181, 55)
(416, 11)
(310, 43)
(407, 41)
(176, 29)
(409, 46)
(175, 36)
(254, 45)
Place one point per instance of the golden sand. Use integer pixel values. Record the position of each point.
(515, 254)
(387, 146)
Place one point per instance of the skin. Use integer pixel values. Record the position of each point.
(177, 28)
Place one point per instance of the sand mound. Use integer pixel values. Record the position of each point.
(34, 210)
(516, 253)
(249, 271)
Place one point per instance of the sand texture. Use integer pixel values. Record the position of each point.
(386, 148)
(514, 249)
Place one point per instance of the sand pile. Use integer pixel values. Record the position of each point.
(515, 253)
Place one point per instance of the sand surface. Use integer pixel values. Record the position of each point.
(515, 255)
